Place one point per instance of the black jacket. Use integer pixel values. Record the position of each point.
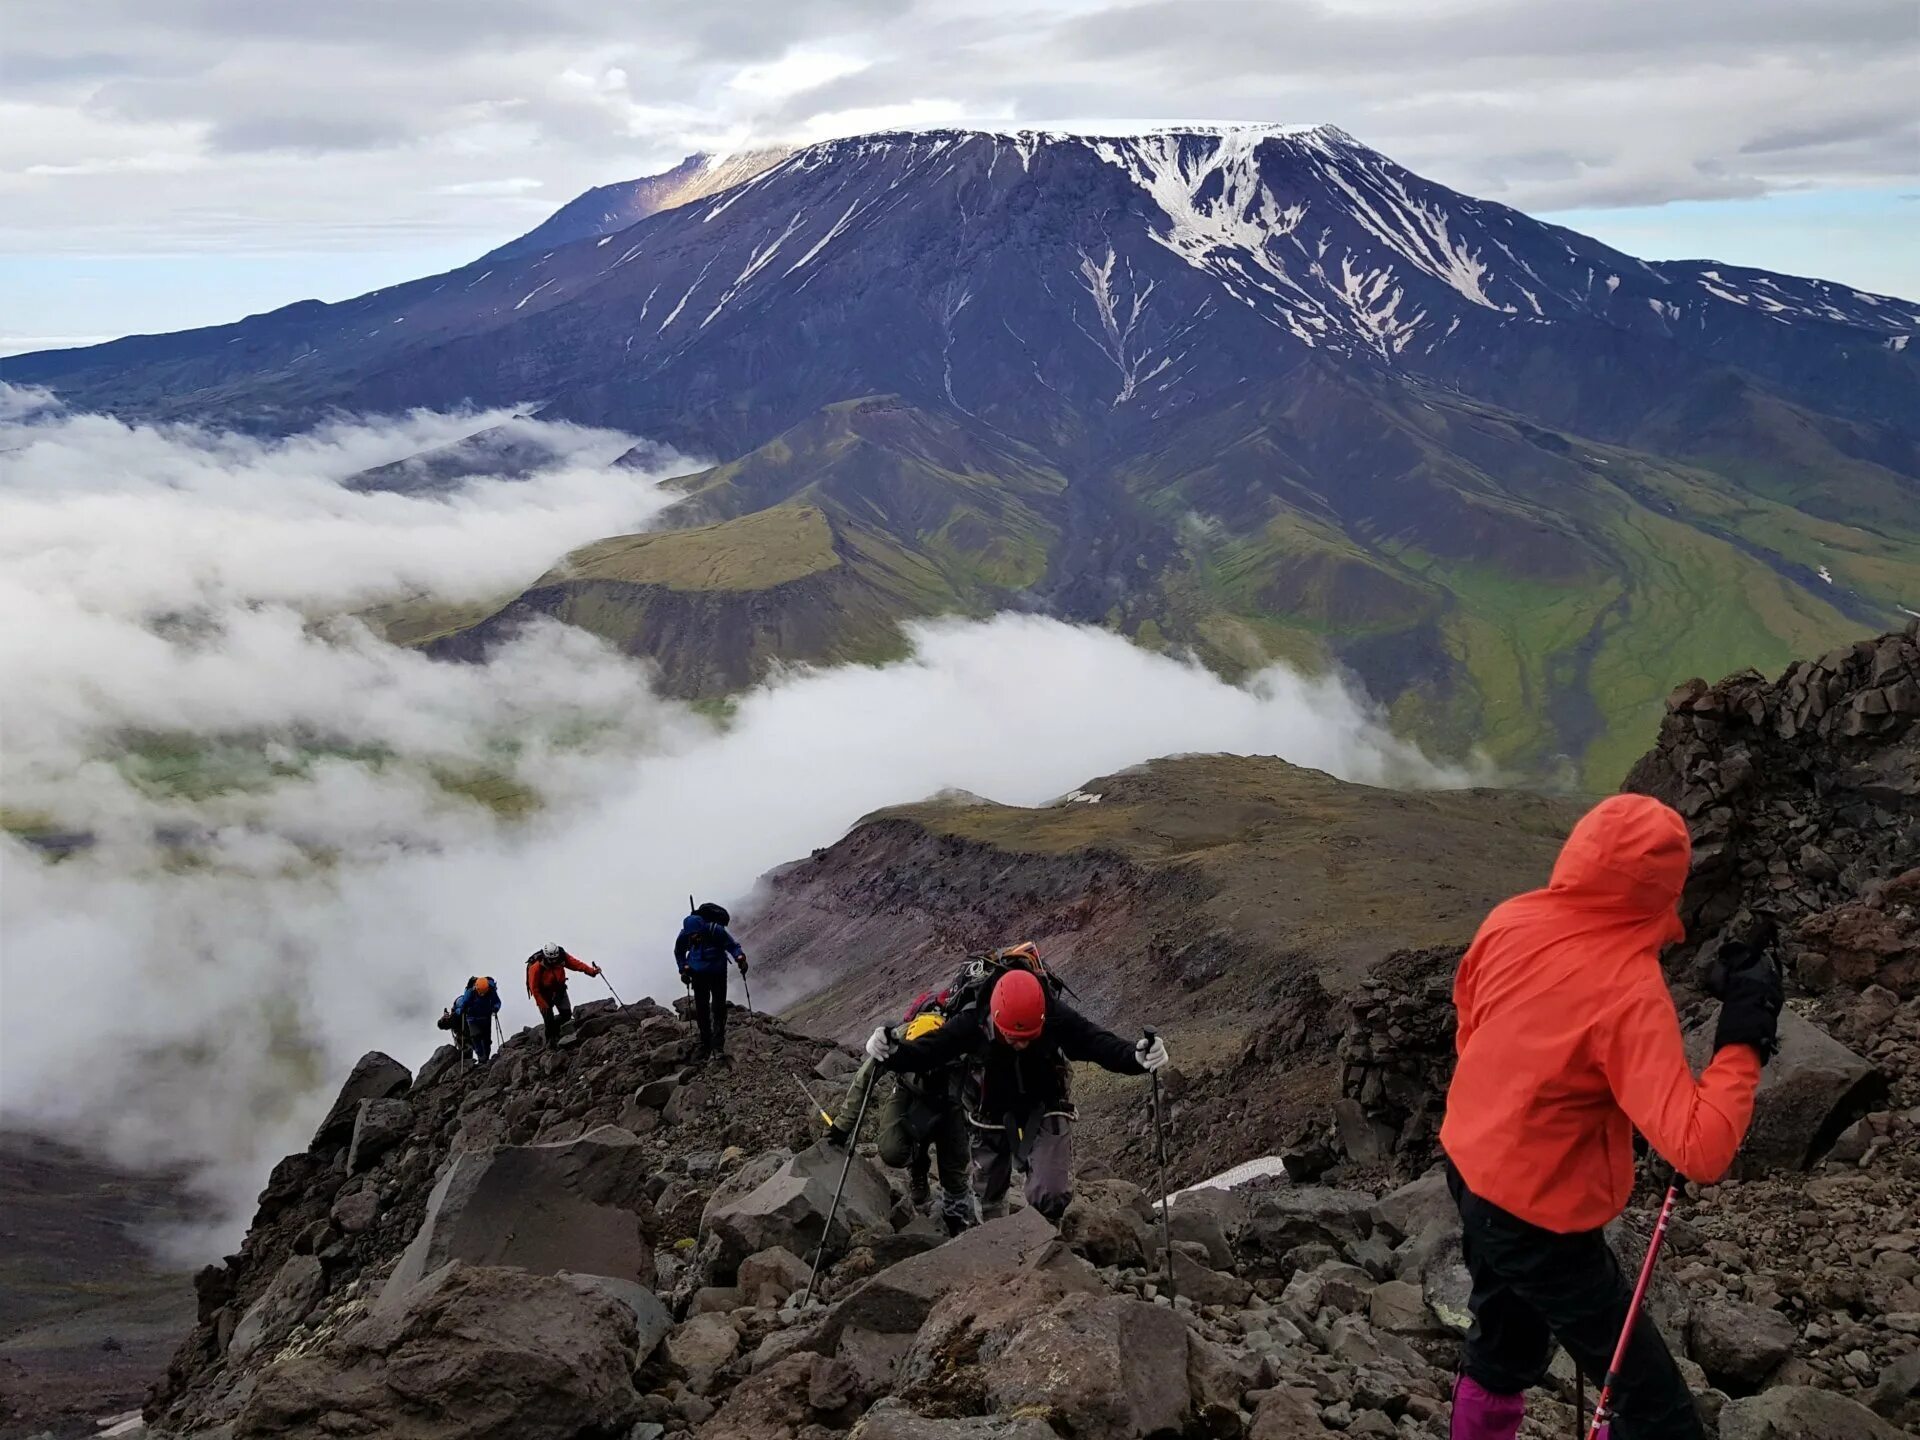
(1013, 1082)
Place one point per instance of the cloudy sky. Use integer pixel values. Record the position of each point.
(179, 163)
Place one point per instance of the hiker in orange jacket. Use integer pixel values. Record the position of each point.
(1568, 1041)
(547, 984)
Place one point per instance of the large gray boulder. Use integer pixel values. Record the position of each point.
(788, 1210)
(1104, 1367)
(1798, 1412)
(289, 1298)
(891, 1420)
(473, 1353)
(1416, 1206)
(1738, 1344)
(1810, 1091)
(374, 1077)
(378, 1126)
(580, 1205)
(1285, 1219)
(898, 1300)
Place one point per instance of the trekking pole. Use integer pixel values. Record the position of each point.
(813, 1103)
(1160, 1156)
(1600, 1414)
(827, 1231)
(500, 1030)
(749, 986)
(611, 991)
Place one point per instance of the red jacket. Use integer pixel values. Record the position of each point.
(545, 979)
(1568, 1038)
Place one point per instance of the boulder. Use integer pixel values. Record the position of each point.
(1104, 1367)
(702, 1347)
(891, 1420)
(1798, 1412)
(1415, 1206)
(652, 1320)
(1285, 1219)
(1206, 1286)
(378, 1126)
(788, 1210)
(443, 1062)
(1400, 1308)
(472, 1353)
(774, 1404)
(836, 1065)
(290, 1296)
(1287, 1415)
(770, 1276)
(374, 1077)
(356, 1212)
(1810, 1092)
(578, 1206)
(898, 1300)
(1738, 1344)
(1108, 1222)
(1202, 1225)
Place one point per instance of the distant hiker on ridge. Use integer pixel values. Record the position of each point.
(547, 971)
(701, 950)
(472, 1016)
(1018, 1036)
(921, 1118)
(1568, 1042)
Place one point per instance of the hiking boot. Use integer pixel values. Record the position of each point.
(1479, 1414)
(919, 1193)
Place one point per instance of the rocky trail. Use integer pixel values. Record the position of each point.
(610, 1242)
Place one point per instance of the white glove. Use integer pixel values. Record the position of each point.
(1151, 1054)
(881, 1045)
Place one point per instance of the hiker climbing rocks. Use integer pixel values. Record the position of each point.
(1568, 1042)
(921, 1120)
(547, 971)
(702, 950)
(1018, 1046)
(473, 1014)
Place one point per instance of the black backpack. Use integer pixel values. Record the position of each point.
(975, 982)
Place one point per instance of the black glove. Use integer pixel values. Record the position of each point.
(1751, 996)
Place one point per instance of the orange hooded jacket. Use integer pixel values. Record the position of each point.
(1568, 1039)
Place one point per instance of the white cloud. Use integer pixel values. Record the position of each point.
(163, 584)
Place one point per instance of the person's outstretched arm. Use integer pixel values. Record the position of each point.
(1696, 1125)
(1080, 1039)
(574, 963)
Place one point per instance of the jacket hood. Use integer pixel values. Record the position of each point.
(1628, 853)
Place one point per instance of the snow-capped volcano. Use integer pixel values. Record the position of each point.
(1255, 391)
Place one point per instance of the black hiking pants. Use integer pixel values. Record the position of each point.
(1040, 1141)
(710, 1007)
(478, 1030)
(556, 1013)
(1532, 1287)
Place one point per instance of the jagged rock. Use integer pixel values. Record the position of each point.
(890, 1420)
(374, 1077)
(789, 1209)
(1109, 1223)
(1206, 1286)
(836, 1065)
(898, 1300)
(1408, 1211)
(443, 1062)
(1738, 1344)
(716, 1300)
(578, 1206)
(651, 1319)
(775, 1403)
(356, 1211)
(1104, 1367)
(296, 1288)
(1399, 1308)
(701, 1347)
(378, 1126)
(1287, 1415)
(1333, 1285)
(472, 1352)
(1896, 1396)
(1796, 1412)
(768, 1277)
(1204, 1226)
(1284, 1219)
(1811, 1090)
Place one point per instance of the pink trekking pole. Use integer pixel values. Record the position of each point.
(1601, 1416)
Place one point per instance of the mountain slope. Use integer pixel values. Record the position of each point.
(1260, 392)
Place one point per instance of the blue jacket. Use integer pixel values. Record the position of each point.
(704, 947)
(488, 1004)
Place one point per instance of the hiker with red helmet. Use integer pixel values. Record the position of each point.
(547, 971)
(1019, 1045)
(1568, 1042)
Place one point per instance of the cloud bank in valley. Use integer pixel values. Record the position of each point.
(178, 678)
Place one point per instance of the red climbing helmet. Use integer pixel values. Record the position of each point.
(1018, 1007)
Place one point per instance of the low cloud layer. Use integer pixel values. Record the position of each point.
(297, 847)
